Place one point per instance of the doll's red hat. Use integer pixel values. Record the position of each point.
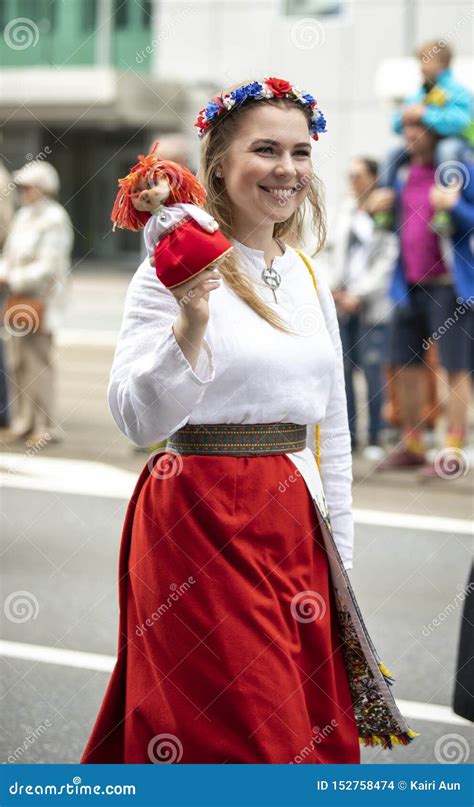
(186, 250)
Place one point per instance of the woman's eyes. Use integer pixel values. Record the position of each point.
(269, 148)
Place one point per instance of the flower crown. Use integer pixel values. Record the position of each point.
(256, 90)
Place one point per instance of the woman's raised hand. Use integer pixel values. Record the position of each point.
(193, 296)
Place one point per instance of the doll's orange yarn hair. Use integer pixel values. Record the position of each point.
(184, 188)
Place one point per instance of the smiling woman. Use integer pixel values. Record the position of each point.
(260, 156)
(265, 658)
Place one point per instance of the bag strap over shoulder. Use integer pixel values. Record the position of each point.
(307, 261)
(317, 428)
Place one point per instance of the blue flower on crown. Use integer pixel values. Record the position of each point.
(318, 122)
(239, 95)
(211, 110)
(308, 98)
(254, 89)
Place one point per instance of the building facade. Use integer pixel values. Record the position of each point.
(78, 88)
(97, 80)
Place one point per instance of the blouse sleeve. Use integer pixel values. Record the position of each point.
(335, 441)
(153, 388)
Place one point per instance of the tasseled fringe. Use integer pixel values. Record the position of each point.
(386, 674)
(389, 740)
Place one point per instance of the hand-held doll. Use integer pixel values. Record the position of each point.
(163, 197)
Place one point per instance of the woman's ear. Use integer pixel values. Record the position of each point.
(219, 173)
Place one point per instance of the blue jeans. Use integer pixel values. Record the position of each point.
(365, 348)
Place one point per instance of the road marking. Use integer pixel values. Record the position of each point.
(56, 655)
(411, 521)
(85, 478)
(411, 710)
(72, 337)
(432, 712)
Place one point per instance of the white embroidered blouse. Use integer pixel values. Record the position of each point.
(247, 372)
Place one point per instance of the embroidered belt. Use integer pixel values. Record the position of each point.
(238, 438)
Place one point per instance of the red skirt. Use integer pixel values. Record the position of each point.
(229, 649)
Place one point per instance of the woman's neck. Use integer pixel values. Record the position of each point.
(263, 241)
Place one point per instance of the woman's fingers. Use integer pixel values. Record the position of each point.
(202, 290)
(196, 288)
(203, 277)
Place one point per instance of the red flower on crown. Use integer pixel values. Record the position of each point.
(279, 86)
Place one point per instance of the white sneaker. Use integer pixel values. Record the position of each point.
(374, 453)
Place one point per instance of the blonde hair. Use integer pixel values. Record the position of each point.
(215, 147)
(435, 48)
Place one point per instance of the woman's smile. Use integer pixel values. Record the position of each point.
(279, 193)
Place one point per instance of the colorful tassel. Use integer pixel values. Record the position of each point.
(386, 673)
(389, 740)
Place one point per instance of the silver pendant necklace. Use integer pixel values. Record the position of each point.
(270, 275)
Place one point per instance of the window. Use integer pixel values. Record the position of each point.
(89, 15)
(42, 12)
(121, 13)
(315, 8)
(147, 8)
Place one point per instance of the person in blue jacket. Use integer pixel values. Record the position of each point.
(446, 106)
(432, 290)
